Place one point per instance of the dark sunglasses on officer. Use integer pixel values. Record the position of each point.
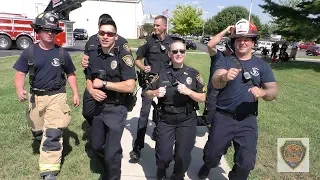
(176, 51)
(47, 30)
(108, 33)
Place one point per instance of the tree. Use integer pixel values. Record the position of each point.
(296, 19)
(148, 28)
(211, 26)
(229, 16)
(186, 20)
(265, 31)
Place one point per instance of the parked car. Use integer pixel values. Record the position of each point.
(190, 44)
(221, 46)
(313, 50)
(264, 44)
(306, 45)
(205, 39)
(80, 34)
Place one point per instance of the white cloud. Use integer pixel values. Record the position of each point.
(195, 2)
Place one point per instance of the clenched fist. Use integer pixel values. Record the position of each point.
(147, 69)
(183, 89)
(257, 92)
(231, 74)
(161, 92)
(85, 61)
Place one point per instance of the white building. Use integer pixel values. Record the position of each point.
(128, 15)
(29, 8)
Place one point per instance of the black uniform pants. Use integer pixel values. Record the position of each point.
(244, 135)
(143, 120)
(273, 53)
(107, 129)
(211, 103)
(179, 130)
(89, 106)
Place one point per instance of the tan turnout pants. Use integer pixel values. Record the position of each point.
(49, 114)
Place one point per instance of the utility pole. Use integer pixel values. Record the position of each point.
(204, 20)
(250, 10)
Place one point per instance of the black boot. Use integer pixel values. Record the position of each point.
(50, 177)
(203, 172)
(135, 153)
(161, 174)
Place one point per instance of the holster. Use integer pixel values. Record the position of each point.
(157, 112)
(130, 101)
(142, 78)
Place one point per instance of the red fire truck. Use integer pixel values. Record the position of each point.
(15, 29)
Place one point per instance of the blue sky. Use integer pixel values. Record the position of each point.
(156, 7)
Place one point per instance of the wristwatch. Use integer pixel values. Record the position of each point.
(104, 84)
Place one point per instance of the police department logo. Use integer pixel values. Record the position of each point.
(189, 80)
(55, 62)
(143, 42)
(114, 64)
(127, 47)
(200, 79)
(255, 71)
(293, 153)
(128, 59)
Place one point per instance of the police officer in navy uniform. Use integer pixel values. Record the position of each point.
(154, 50)
(214, 53)
(48, 113)
(242, 80)
(179, 88)
(92, 45)
(112, 73)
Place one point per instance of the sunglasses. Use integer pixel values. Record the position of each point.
(182, 51)
(47, 30)
(108, 33)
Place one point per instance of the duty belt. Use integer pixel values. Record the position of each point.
(177, 110)
(236, 116)
(41, 92)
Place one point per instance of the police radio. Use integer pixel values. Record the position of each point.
(246, 75)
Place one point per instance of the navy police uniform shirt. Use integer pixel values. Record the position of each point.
(93, 44)
(46, 63)
(235, 97)
(155, 52)
(119, 66)
(185, 75)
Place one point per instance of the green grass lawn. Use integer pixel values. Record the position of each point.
(295, 113)
(309, 57)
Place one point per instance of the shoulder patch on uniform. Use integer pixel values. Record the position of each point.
(143, 42)
(200, 79)
(154, 79)
(126, 47)
(128, 59)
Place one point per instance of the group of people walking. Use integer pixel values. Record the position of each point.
(238, 80)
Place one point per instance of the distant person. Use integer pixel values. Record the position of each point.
(294, 51)
(265, 53)
(274, 49)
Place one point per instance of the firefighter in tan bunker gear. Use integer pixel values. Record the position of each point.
(48, 112)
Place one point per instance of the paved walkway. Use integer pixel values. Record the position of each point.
(146, 168)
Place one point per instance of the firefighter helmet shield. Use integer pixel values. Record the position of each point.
(46, 20)
(244, 28)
